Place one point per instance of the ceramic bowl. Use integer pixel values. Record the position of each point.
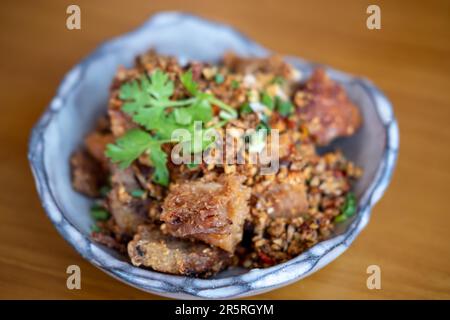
(82, 97)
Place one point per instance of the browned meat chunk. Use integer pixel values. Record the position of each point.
(164, 253)
(87, 174)
(109, 241)
(128, 211)
(285, 196)
(211, 211)
(120, 122)
(326, 109)
(274, 65)
(286, 144)
(96, 145)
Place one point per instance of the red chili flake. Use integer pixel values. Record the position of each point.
(216, 109)
(291, 124)
(265, 258)
(338, 174)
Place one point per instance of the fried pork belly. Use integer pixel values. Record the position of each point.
(164, 253)
(87, 173)
(109, 241)
(283, 196)
(128, 212)
(219, 214)
(274, 65)
(120, 122)
(96, 145)
(324, 106)
(211, 211)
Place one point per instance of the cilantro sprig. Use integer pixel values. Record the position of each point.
(147, 101)
(132, 145)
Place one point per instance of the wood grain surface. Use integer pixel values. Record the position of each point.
(409, 59)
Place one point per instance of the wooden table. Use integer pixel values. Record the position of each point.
(409, 58)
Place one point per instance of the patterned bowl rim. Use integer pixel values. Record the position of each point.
(252, 282)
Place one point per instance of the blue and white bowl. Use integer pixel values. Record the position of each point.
(82, 97)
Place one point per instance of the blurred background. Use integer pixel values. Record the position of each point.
(408, 58)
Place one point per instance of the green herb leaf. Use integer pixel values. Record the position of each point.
(219, 78)
(95, 228)
(99, 214)
(235, 84)
(245, 108)
(285, 108)
(150, 118)
(262, 126)
(135, 97)
(146, 91)
(135, 142)
(147, 100)
(264, 123)
(278, 80)
(232, 113)
(348, 209)
(129, 147)
(267, 101)
(200, 111)
(160, 86)
(190, 85)
(137, 193)
(192, 166)
(258, 140)
(226, 115)
(182, 116)
(159, 161)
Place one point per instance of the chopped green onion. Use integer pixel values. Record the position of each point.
(263, 126)
(137, 193)
(285, 108)
(219, 78)
(192, 165)
(278, 80)
(264, 123)
(245, 108)
(267, 101)
(348, 209)
(95, 228)
(226, 115)
(99, 214)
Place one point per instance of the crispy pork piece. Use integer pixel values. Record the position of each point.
(128, 212)
(120, 122)
(164, 253)
(87, 173)
(271, 65)
(96, 145)
(109, 241)
(324, 106)
(285, 196)
(212, 211)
